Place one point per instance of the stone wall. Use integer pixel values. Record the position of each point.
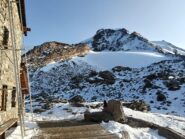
(7, 76)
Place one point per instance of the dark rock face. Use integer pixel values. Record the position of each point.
(120, 39)
(77, 99)
(99, 40)
(137, 35)
(54, 51)
(121, 68)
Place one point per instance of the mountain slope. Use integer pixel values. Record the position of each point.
(139, 70)
(169, 48)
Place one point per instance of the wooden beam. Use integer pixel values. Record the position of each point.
(7, 125)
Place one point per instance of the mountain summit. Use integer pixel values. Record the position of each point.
(122, 40)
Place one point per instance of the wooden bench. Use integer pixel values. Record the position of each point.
(7, 125)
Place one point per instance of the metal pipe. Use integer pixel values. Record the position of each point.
(18, 69)
(16, 72)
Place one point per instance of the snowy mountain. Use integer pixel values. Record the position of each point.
(122, 40)
(140, 69)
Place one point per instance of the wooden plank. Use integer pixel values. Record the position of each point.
(7, 125)
(2, 136)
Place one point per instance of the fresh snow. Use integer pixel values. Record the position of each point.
(174, 122)
(134, 133)
(108, 60)
(31, 129)
(133, 59)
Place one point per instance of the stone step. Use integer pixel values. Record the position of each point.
(95, 127)
(91, 131)
(107, 136)
(80, 134)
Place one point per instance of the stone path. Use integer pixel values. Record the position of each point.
(72, 130)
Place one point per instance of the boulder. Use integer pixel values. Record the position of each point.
(151, 76)
(108, 77)
(148, 84)
(93, 73)
(77, 99)
(112, 111)
(138, 105)
(98, 116)
(47, 106)
(182, 80)
(115, 108)
(160, 97)
(39, 110)
(173, 85)
(121, 68)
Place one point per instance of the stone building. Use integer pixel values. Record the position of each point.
(10, 11)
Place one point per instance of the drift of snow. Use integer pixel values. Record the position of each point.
(108, 60)
(134, 133)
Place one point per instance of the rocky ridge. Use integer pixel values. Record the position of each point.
(122, 40)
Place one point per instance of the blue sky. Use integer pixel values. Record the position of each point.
(72, 21)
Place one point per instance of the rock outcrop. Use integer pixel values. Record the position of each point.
(112, 111)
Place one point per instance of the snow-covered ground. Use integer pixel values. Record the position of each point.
(31, 129)
(108, 60)
(132, 59)
(66, 111)
(134, 133)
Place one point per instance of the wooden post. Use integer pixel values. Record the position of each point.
(2, 136)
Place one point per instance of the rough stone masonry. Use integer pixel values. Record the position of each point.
(7, 78)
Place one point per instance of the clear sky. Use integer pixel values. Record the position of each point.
(72, 21)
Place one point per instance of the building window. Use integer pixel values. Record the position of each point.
(5, 37)
(14, 97)
(4, 97)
